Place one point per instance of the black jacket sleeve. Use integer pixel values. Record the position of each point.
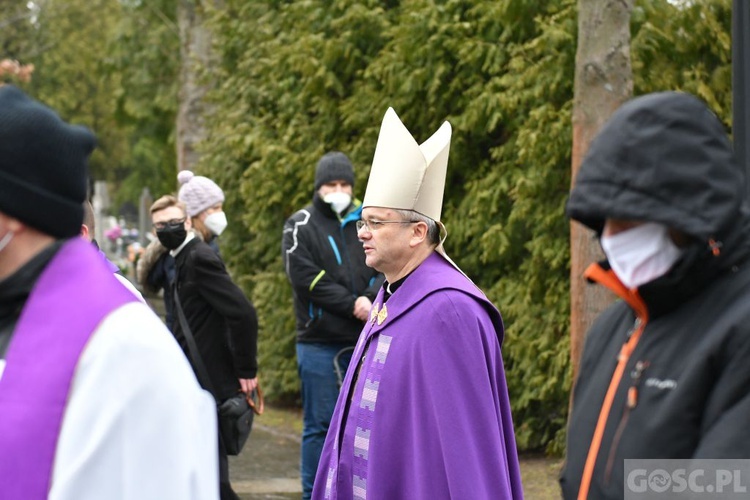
(308, 279)
(218, 289)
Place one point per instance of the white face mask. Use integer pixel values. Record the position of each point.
(338, 200)
(216, 222)
(641, 254)
(5, 240)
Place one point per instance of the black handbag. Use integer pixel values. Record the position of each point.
(235, 414)
(236, 419)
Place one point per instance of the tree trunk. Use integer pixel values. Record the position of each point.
(603, 81)
(740, 82)
(195, 53)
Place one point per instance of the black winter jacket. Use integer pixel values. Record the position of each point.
(223, 321)
(325, 263)
(665, 371)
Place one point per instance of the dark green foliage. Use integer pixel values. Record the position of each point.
(302, 78)
(68, 49)
(145, 52)
(299, 79)
(686, 49)
(295, 79)
(110, 65)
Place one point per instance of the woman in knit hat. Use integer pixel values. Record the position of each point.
(204, 199)
(209, 307)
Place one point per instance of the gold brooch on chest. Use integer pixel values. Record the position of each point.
(374, 312)
(382, 314)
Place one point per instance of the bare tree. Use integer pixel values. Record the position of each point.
(603, 81)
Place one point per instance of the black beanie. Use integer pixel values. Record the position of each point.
(334, 166)
(43, 165)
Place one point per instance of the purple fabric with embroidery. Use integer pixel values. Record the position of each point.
(429, 416)
(72, 296)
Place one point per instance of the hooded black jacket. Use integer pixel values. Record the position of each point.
(325, 263)
(665, 372)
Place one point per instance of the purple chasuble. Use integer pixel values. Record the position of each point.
(429, 417)
(74, 293)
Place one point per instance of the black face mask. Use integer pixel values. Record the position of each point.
(172, 236)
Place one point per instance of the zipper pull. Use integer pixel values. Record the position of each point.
(632, 397)
(636, 325)
(635, 375)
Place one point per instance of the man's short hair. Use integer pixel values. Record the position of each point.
(167, 201)
(433, 230)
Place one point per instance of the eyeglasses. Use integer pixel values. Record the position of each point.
(374, 225)
(170, 223)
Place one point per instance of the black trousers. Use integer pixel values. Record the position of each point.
(225, 489)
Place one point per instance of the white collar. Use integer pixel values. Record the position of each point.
(177, 250)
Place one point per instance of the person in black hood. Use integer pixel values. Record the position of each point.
(665, 371)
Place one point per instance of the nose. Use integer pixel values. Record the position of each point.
(364, 233)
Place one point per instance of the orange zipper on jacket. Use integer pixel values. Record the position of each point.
(608, 279)
(631, 403)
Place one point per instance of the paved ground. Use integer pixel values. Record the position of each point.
(268, 467)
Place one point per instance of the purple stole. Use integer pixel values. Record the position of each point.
(74, 293)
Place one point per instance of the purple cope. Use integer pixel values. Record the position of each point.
(428, 416)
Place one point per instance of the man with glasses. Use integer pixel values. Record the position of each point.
(423, 412)
(222, 320)
(333, 291)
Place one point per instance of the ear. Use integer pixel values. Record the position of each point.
(418, 234)
(11, 223)
(188, 223)
(85, 232)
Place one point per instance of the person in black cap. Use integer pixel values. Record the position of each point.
(333, 291)
(84, 365)
(664, 372)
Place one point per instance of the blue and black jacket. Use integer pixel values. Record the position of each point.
(325, 264)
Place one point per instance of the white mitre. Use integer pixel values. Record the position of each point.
(409, 176)
(406, 175)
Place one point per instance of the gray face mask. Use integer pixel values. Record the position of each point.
(6, 239)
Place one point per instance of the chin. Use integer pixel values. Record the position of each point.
(370, 262)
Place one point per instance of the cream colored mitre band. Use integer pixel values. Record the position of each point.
(406, 175)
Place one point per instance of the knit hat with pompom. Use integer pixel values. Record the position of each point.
(198, 192)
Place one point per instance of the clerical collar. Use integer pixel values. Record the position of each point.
(390, 288)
